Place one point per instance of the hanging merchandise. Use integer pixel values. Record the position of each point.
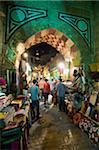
(85, 105)
(2, 81)
(88, 111)
(77, 101)
(93, 98)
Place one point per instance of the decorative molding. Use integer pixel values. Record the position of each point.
(17, 16)
(80, 24)
(10, 54)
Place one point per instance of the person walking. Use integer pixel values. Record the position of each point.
(61, 89)
(41, 87)
(34, 91)
(46, 91)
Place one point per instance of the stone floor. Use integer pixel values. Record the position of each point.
(55, 131)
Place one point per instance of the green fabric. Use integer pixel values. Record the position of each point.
(11, 139)
(11, 135)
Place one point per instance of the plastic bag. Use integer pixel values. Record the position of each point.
(50, 99)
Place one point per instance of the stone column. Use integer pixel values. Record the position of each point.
(20, 49)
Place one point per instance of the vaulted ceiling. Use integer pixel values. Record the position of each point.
(41, 53)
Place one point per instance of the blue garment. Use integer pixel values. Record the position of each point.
(61, 89)
(61, 103)
(35, 109)
(34, 90)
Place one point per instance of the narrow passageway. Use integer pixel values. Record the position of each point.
(55, 131)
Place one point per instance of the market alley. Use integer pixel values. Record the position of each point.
(56, 131)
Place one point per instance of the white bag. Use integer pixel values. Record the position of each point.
(50, 99)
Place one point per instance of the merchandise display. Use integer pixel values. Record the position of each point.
(83, 108)
(14, 122)
(86, 117)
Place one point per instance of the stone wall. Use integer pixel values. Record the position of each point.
(54, 10)
(4, 61)
(26, 28)
(1, 34)
(96, 30)
(2, 37)
(2, 26)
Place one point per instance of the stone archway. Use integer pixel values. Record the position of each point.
(56, 39)
(62, 17)
(52, 37)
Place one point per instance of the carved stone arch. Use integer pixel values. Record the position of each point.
(77, 28)
(52, 37)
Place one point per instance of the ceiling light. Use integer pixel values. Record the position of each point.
(25, 55)
(37, 58)
(61, 65)
(37, 53)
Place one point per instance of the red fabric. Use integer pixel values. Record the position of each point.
(2, 81)
(46, 87)
(15, 145)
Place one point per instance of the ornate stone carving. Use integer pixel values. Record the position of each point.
(17, 16)
(80, 24)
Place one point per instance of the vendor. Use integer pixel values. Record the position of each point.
(79, 81)
(76, 81)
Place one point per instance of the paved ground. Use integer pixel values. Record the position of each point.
(55, 131)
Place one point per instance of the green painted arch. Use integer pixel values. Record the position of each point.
(51, 20)
(31, 28)
(78, 41)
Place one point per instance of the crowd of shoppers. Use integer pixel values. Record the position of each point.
(40, 90)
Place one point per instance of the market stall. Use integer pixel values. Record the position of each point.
(83, 108)
(14, 123)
